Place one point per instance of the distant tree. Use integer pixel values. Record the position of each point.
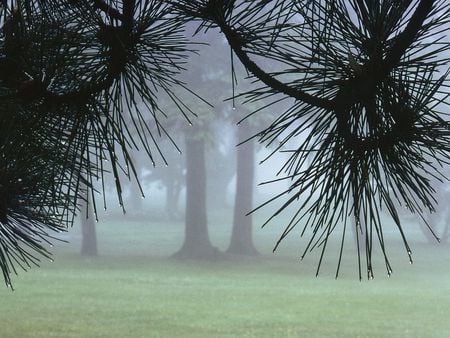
(220, 159)
(206, 76)
(246, 136)
(196, 243)
(88, 231)
(172, 178)
(242, 231)
(369, 79)
(436, 224)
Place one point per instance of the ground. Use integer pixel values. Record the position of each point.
(134, 290)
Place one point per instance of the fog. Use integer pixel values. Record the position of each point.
(225, 125)
(182, 249)
(137, 263)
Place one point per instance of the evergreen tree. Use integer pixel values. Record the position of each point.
(71, 74)
(370, 84)
(369, 79)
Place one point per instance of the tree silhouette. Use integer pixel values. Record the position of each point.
(71, 73)
(369, 79)
(241, 241)
(370, 83)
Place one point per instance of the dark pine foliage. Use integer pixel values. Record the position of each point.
(74, 76)
(370, 83)
(369, 79)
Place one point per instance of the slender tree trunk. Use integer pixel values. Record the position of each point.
(359, 235)
(134, 203)
(134, 200)
(171, 206)
(241, 237)
(88, 231)
(433, 220)
(196, 242)
(173, 189)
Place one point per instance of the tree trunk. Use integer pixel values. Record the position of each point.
(88, 232)
(134, 203)
(433, 220)
(173, 189)
(241, 237)
(197, 244)
(221, 166)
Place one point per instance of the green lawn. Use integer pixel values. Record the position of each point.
(133, 290)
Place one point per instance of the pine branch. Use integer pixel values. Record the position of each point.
(404, 40)
(236, 44)
(110, 11)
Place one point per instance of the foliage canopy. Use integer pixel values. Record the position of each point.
(369, 81)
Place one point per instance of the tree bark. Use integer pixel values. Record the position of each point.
(241, 237)
(88, 231)
(197, 244)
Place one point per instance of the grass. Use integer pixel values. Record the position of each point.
(133, 290)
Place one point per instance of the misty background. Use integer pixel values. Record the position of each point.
(224, 128)
(146, 269)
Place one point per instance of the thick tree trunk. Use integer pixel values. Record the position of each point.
(241, 237)
(88, 232)
(197, 244)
